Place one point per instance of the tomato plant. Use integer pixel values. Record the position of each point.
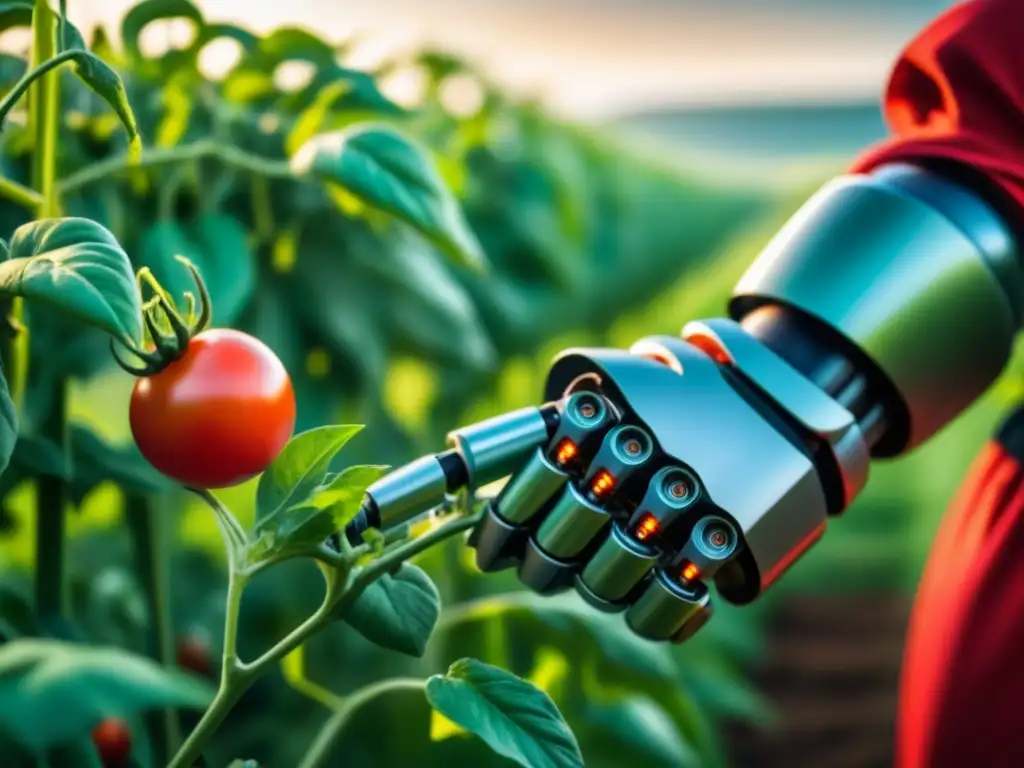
(367, 245)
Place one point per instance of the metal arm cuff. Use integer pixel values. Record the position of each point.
(920, 275)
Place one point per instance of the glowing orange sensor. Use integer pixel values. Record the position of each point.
(566, 451)
(603, 483)
(648, 527)
(691, 572)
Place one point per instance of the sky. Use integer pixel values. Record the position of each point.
(592, 59)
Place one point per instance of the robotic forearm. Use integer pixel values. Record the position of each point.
(884, 308)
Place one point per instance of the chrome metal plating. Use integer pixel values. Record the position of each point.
(918, 273)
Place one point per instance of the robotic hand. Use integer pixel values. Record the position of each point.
(650, 472)
(883, 309)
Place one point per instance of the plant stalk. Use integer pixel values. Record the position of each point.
(16, 358)
(321, 747)
(51, 576)
(44, 105)
(39, 73)
(44, 114)
(235, 679)
(151, 554)
(19, 194)
(217, 712)
(341, 592)
(197, 150)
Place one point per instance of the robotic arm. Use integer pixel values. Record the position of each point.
(883, 309)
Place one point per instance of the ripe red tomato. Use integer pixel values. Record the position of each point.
(218, 414)
(113, 740)
(194, 655)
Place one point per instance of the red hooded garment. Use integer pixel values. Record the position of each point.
(956, 100)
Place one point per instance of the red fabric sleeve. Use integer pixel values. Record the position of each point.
(962, 684)
(957, 94)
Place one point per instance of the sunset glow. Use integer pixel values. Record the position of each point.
(596, 59)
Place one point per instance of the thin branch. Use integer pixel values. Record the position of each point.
(197, 150)
(19, 194)
(332, 729)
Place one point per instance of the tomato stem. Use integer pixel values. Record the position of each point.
(168, 331)
(234, 535)
(235, 679)
(236, 586)
(19, 194)
(39, 73)
(151, 554)
(219, 709)
(43, 88)
(342, 590)
(44, 98)
(51, 577)
(320, 749)
(225, 153)
(44, 117)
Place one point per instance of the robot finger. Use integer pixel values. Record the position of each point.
(676, 602)
(584, 420)
(633, 548)
(585, 509)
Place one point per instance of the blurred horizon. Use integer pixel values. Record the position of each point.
(596, 60)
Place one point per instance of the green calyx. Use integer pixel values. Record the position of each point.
(168, 329)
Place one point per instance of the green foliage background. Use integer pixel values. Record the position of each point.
(588, 239)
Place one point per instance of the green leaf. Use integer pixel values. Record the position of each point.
(41, 678)
(76, 266)
(387, 172)
(145, 13)
(640, 723)
(430, 315)
(340, 309)
(218, 247)
(295, 44)
(17, 613)
(312, 118)
(568, 614)
(12, 69)
(397, 611)
(37, 456)
(228, 264)
(8, 425)
(18, 13)
(245, 38)
(15, 13)
(515, 718)
(102, 79)
(95, 461)
(308, 522)
(158, 248)
(342, 493)
(177, 99)
(299, 469)
(442, 65)
(246, 84)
